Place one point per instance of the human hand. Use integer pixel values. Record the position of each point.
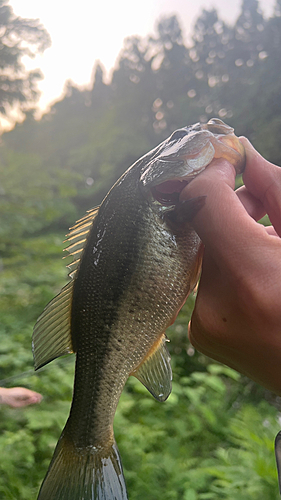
(237, 315)
(17, 397)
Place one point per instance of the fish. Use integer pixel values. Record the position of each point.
(136, 258)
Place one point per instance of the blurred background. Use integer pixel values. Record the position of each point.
(85, 90)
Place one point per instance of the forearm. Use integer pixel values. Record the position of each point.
(17, 397)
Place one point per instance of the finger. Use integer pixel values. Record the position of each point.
(271, 231)
(263, 180)
(32, 398)
(253, 206)
(223, 222)
(36, 398)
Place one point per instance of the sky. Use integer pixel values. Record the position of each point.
(90, 30)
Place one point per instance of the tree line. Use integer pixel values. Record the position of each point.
(56, 168)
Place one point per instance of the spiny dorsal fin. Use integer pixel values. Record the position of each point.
(52, 331)
(155, 371)
(77, 238)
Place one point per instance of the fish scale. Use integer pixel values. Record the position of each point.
(135, 260)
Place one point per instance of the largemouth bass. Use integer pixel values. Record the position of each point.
(136, 259)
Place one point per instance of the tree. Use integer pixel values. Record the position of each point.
(18, 37)
(212, 41)
(249, 40)
(172, 66)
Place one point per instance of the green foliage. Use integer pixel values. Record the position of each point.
(211, 439)
(197, 445)
(29, 279)
(247, 468)
(33, 197)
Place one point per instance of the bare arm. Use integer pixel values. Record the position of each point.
(18, 396)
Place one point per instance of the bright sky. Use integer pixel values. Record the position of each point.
(89, 30)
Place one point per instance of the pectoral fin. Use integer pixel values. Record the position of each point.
(155, 372)
(184, 211)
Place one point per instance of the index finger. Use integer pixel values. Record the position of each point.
(263, 180)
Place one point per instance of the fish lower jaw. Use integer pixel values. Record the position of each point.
(168, 193)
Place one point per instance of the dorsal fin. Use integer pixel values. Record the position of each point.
(155, 371)
(52, 332)
(77, 238)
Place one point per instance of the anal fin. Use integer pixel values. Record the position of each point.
(155, 371)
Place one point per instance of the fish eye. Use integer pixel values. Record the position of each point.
(178, 134)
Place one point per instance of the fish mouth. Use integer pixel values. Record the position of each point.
(168, 193)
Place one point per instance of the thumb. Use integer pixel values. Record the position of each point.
(223, 221)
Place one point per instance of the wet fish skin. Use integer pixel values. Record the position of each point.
(138, 261)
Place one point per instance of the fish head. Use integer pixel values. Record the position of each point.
(185, 154)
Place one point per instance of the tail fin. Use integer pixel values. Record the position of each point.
(83, 474)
